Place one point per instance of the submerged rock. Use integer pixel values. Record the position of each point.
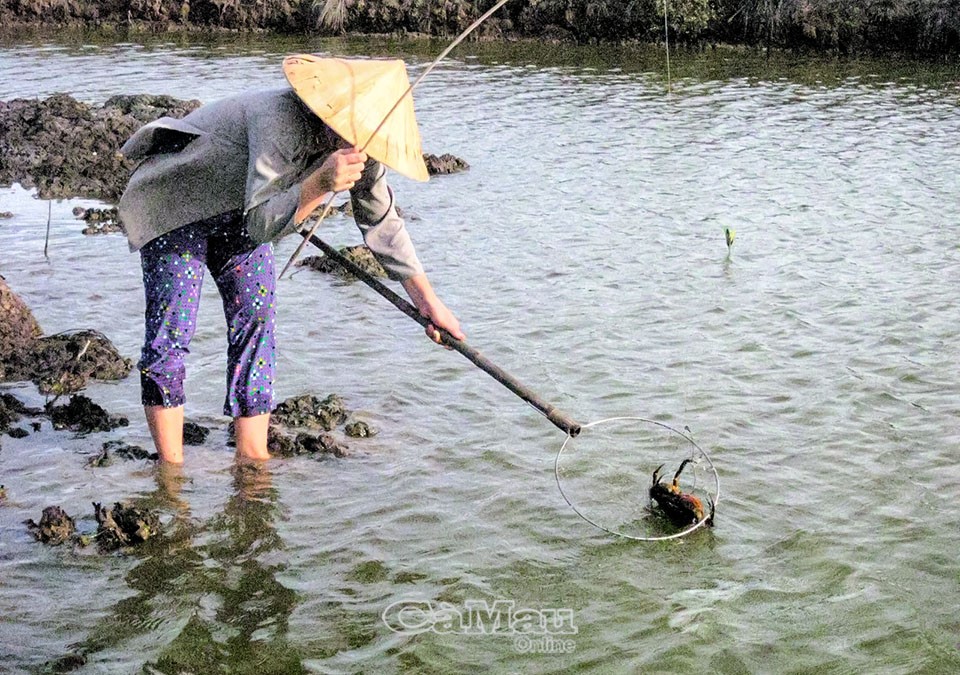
(310, 412)
(444, 164)
(359, 429)
(67, 663)
(297, 426)
(128, 451)
(101, 459)
(282, 443)
(64, 363)
(124, 525)
(54, 528)
(100, 221)
(321, 444)
(12, 410)
(194, 434)
(84, 416)
(121, 449)
(359, 255)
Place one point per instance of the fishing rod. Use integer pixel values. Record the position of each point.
(328, 205)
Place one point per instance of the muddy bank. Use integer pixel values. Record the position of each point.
(905, 26)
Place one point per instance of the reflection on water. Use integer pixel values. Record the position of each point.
(206, 586)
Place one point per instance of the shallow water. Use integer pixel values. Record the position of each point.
(816, 362)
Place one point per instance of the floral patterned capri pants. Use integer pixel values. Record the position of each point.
(173, 269)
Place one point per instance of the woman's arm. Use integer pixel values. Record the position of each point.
(421, 293)
(339, 172)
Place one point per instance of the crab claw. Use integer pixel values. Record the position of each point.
(656, 474)
(676, 476)
(713, 510)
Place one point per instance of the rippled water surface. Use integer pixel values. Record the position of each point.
(816, 362)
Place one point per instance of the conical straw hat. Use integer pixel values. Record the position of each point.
(353, 96)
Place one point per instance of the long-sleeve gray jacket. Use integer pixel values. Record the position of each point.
(250, 152)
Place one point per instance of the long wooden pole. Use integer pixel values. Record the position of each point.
(560, 419)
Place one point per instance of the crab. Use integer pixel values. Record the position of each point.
(680, 507)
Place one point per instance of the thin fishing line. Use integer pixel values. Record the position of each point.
(433, 65)
(714, 500)
(46, 239)
(327, 206)
(666, 42)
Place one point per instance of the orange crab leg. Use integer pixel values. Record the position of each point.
(676, 476)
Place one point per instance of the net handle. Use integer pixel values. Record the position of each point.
(714, 500)
(559, 418)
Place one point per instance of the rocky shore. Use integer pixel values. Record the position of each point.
(57, 364)
(65, 148)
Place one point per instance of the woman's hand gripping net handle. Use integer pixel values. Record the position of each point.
(561, 420)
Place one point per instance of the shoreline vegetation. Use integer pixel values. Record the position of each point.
(921, 28)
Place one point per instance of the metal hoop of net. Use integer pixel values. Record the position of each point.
(608, 484)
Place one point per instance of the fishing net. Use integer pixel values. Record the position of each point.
(604, 469)
(605, 474)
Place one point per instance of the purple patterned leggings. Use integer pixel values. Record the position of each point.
(173, 268)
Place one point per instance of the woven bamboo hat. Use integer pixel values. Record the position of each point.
(352, 97)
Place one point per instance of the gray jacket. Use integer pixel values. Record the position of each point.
(250, 152)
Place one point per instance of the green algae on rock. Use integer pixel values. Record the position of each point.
(125, 525)
(55, 526)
